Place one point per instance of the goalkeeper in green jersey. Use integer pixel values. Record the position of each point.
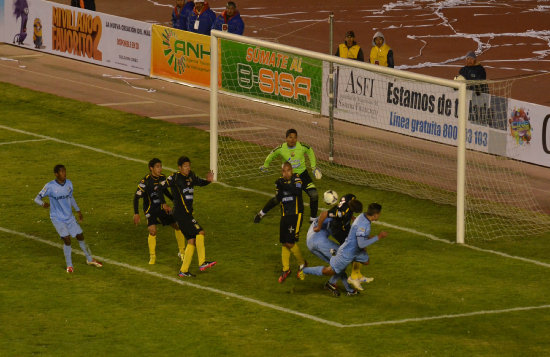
(294, 152)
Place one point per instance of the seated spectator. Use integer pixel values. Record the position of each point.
(84, 4)
(350, 49)
(229, 20)
(381, 54)
(474, 71)
(181, 13)
(200, 20)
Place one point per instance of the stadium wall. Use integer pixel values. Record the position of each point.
(521, 131)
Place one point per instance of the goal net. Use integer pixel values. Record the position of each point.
(374, 126)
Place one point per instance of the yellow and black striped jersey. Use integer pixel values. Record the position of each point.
(289, 195)
(151, 189)
(182, 188)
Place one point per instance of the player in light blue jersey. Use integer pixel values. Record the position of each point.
(61, 204)
(353, 249)
(320, 245)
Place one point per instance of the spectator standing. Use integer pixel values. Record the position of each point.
(350, 48)
(229, 20)
(84, 4)
(181, 13)
(474, 71)
(200, 20)
(381, 54)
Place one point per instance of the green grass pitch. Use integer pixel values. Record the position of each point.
(237, 308)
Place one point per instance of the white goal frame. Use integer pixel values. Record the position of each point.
(459, 85)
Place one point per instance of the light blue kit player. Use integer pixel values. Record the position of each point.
(61, 204)
(319, 244)
(353, 249)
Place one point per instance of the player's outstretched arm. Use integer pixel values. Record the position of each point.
(322, 218)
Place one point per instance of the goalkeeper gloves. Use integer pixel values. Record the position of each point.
(317, 173)
(263, 168)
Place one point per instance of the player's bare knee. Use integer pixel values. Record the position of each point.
(66, 240)
(328, 271)
(191, 241)
(152, 230)
(201, 233)
(79, 236)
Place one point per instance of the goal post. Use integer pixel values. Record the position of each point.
(431, 138)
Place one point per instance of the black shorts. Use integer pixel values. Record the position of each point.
(188, 225)
(290, 228)
(307, 182)
(159, 217)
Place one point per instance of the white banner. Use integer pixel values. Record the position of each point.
(528, 136)
(84, 35)
(421, 110)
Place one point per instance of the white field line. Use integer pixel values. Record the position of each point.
(181, 116)
(125, 103)
(404, 229)
(276, 307)
(182, 282)
(22, 141)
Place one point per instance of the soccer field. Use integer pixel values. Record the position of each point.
(429, 296)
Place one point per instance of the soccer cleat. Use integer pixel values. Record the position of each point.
(365, 279)
(152, 259)
(186, 275)
(301, 274)
(332, 288)
(356, 283)
(352, 293)
(257, 217)
(70, 270)
(207, 265)
(95, 263)
(284, 275)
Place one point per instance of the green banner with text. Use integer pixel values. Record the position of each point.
(265, 73)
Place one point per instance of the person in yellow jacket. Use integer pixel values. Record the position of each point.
(381, 54)
(350, 49)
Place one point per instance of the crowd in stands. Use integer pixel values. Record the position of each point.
(197, 16)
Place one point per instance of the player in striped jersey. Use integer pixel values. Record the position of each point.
(182, 184)
(150, 188)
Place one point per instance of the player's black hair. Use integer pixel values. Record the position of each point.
(291, 131)
(286, 163)
(58, 168)
(154, 161)
(231, 3)
(373, 209)
(355, 206)
(182, 160)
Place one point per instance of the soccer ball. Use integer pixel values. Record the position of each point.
(330, 197)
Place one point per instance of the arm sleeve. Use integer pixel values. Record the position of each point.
(278, 192)
(38, 200)
(137, 196)
(166, 192)
(271, 156)
(240, 27)
(360, 56)
(311, 155)
(200, 181)
(390, 59)
(73, 203)
(298, 186)
(364, 242)
(40, 196)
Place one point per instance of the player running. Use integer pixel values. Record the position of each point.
(182, 184)
(340, 225)
(289, 195)
(320, 245)
(150, 188)
(353, 248)
(61, 204)
(293, 152)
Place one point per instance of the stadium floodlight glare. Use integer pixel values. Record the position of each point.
(431, 138)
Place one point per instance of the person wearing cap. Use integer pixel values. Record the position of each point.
(474, 71)
(380, 53)
(200, 20)
(350, 49)
(229, 20)
(181, 13)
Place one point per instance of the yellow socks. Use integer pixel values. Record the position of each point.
(298, 254)
(356, 271)
(187, 257)
(181, 242)
(201, 252)
(285, 254)
(152, 241)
